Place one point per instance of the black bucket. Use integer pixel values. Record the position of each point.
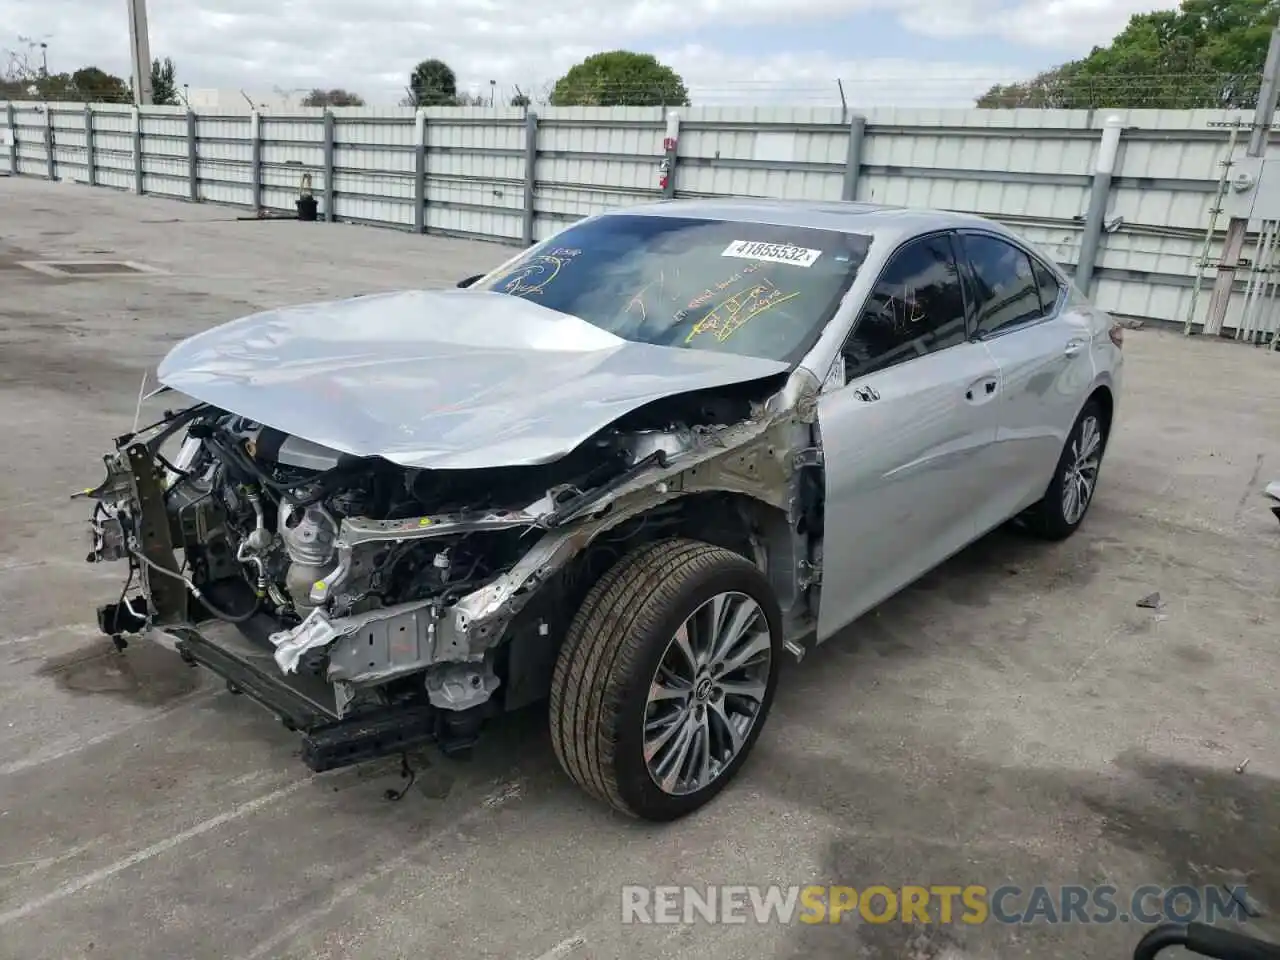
(307, 208)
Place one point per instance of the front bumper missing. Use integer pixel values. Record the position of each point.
(328, 741)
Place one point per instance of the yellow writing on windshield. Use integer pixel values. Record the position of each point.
(729, 316)
(709, 294)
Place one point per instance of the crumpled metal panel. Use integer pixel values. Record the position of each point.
(447, 379)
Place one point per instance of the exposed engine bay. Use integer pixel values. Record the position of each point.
(399, 588)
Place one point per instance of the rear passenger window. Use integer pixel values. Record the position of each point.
(1048, 284)
(1006, 288)
(915, 308)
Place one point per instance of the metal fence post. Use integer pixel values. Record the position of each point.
(137, 151)
(255, 160)
(420, 171)
(667, 171)
(48, 142)
(853, 158)
(1094, 220)
(330, 130)
(193, 159)
(530, 174)
(90, 162)
(11, 131)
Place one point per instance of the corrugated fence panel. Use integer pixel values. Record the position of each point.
(165, 153)
(1031, 169)
(592, 159)
(224, 155)
(374, 162)
(794, 154)
(292, 157)
(70, 157)
(113, 147)
(30, 130)
(475, 172)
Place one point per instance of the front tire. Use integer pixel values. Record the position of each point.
(666, 677)
(1075, 479)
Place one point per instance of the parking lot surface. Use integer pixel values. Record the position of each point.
(1014, 718)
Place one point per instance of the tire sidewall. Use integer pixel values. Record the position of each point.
(634, 783)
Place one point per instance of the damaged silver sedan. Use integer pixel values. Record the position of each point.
(627, 471)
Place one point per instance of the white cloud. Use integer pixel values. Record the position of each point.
(371, 45)
(1072, 26)
(809, 80)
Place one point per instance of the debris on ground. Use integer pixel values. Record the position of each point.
(1151, 601)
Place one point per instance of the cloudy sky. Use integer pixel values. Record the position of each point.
(887, 52)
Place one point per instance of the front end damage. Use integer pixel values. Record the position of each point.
(373, 607)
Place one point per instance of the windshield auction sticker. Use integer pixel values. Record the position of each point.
(772, 253)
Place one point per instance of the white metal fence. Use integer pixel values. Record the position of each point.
(516, 176)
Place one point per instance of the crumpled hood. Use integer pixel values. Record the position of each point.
(448, 379)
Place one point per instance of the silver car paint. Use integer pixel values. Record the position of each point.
(443, 379)
(947, 472)
(903, 474)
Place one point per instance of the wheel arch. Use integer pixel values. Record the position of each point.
(736, 521)
(1106, 400)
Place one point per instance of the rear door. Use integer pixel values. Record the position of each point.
(1045, 358)
(907, 439)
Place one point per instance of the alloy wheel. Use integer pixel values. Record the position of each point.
(706, 693)
(1081, 475)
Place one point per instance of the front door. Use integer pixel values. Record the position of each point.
(907, 440)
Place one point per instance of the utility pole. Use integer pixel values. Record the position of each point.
(140, 50)
(1263, 114)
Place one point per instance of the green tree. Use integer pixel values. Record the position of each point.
(12, 89)
(89, 84)
(332, 98)
(620, 78)
(164, 86)
(1207, 53)
(433, 84)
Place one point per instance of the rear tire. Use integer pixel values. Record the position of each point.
(1075, 479)
(627, 724)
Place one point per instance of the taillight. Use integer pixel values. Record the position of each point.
(1116, 333)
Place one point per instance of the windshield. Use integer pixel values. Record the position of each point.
(752, 289)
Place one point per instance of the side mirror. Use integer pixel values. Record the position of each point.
(470, 280)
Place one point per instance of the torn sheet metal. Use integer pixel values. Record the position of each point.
(313, 633)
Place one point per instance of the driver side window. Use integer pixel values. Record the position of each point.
(915, 308)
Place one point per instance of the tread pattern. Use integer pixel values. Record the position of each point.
(607, 638)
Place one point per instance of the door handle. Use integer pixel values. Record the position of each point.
(1072, 348)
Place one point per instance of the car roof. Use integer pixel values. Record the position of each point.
(844, 215)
